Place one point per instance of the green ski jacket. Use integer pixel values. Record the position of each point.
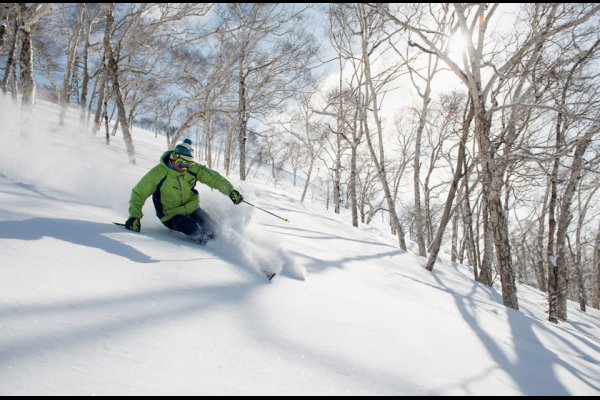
(173, 192)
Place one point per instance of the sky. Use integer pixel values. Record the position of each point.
(88, 308)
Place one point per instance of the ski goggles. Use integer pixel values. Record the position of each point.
(183, 163)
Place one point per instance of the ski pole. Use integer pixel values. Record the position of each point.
(268, 212)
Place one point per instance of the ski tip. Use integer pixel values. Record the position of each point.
(269, 275)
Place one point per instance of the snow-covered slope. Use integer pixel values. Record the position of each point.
(87, 307)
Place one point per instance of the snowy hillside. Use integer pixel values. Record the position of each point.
(88, 308)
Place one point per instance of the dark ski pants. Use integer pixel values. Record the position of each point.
(198, 226)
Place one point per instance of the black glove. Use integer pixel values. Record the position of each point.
(133, 224)
(236, 197)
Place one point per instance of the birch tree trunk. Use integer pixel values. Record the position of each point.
(356, 131)
(337, 175)
(552, 274)
(426, 99)
(71, 53)
(581, 296)
(2, 34)
(581, 290)
(105, 115)
(352, 184)
(558, 271)
(491, 187)
(208, 133)
(229, 140)
(437, 242)
(378, 160)
(308, 178)
(11, 59)
(242, 115)
(539, 266)
(113, 73)
(101, 98)
(86, 75)
(486, 275)
(455, 250)
(563, 224)
(26, 69)
(469, 237)
(596, 272)
(30, 17)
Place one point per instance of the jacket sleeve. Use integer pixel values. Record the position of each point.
(140, 192)
(213, 179)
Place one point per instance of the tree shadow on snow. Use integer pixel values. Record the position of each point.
(58, 327)
(533, 368)
(84, 233)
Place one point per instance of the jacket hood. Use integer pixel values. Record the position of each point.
(164, 159)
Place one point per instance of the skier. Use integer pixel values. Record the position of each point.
(171, 185)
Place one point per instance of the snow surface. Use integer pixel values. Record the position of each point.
(88, 308)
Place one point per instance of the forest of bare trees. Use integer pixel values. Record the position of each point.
(469, 127)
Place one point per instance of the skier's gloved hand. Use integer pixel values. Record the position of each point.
(236, 197)
(133, 224)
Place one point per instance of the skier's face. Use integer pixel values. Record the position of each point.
(181, 164)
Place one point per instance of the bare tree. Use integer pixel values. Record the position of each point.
(467, 217)
(139, 26)
(453, 109)
(557, 270)
(29, 16)
(4, 11)
(558, 307)
(92, 15)
(596, 272)
(11, 31)
(72, 44)
(421, 79)
(372, 36)
(472, 21)
(583, 207)
(426, 98)
(338, 37)
(540, 270)
(112, 68)
(274, 52)
(308, 133)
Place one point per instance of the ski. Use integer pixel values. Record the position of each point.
(269, 275)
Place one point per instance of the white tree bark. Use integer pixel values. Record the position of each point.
(371, 96)
(437, 242)
(71, 53)
(30, 17)
(563, 224)
(426, 99)
(112, 65)
(11, 60)
(596, 272)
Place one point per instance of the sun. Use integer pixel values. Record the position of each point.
(456, 47)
